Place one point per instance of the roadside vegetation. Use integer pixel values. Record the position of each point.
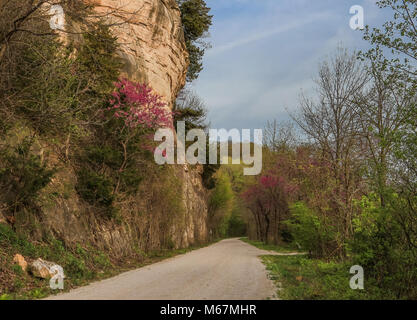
(340, 182)
(300, 277)
(82, 264)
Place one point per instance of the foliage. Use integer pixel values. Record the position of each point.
(301, 278)
(55, 90)
(191, 109)
(97, 58)
(221, 205)
(221, 194)
(196, 22)
(22, 176)
(137, 106)
(287, 176)
(384, 244)
(45, 87)
(111, 165)
(398, 35)
(308, 231)
(95, 188)
(236, 224)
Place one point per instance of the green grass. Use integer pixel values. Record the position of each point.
(283, 248)
(301, 278)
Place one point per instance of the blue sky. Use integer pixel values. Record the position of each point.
(266, 52)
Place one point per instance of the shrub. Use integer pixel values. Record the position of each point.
(18, 242)
(98, 60)
(22, 176)
(381, 245)
(309, 231)
(95, 188)
(138, 107)
(112, 164)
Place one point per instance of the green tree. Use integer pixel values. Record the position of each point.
(221, 205)
(386, 235)
(189, 107)
(196, 22)
(398, 36)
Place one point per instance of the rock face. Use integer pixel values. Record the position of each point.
(145, 226)
(154, 51)
(195, 203)
(152, 42)
(152, 45)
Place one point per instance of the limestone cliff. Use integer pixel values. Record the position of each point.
(152, 42)
(153, 49)
(152, 45)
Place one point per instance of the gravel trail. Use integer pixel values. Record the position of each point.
(229, 269)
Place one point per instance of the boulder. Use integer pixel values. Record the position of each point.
(44, 269)
(20, 260)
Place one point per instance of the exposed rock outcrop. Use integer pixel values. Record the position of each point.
(152, 42)
(152, 45)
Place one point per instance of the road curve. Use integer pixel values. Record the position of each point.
(227, 270)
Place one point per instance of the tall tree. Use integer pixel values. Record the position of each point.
(394, 53)
(382, 113)
(331, 123)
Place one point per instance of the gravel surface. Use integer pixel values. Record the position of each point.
(229, 269)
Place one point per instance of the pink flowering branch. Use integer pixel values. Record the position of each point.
(138, 106)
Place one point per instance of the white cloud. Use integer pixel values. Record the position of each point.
(265, 52)
(266, 34)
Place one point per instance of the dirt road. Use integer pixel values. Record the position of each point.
(229, 269)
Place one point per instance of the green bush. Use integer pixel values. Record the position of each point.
(97, 58)
(99, 155)
(309, 231)
(95, 188)
(9, 238)
(381, 245)
(22, 176)
(100, 178)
